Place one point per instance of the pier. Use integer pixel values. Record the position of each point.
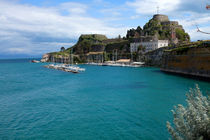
(119, 63)
(65, 67)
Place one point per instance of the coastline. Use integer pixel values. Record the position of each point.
(196, 76)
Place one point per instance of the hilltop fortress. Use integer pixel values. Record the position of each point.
(160, 28)
(157, 32)
(161, 43)
(161, 18)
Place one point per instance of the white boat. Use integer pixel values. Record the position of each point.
(35, 61)
(138, 63)
(65, 67)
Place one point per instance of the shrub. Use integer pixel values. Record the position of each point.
(192, 122)
(181, 35)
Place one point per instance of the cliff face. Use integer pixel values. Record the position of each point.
(87, 43)
(91, 48)
(155, 58)
(98, 48)
(57, 57)
(45, 58)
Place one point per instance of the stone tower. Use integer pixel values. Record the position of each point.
(161, 18)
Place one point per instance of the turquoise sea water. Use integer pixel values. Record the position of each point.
(101, 103)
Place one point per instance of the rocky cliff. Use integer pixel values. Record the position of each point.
(91, 48)
(155, 58)
(162, 28)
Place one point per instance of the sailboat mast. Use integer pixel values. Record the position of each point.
(72, 61)
(113, 55)
(116, 55)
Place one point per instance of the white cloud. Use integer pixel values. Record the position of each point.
(188, 13)
(199, 36)
(111, 12)
(17, 50)
(20, 24)
(192, 20)
(23, 26)
(74, 8)
(149, 7)
(135, 17)
(98, 1)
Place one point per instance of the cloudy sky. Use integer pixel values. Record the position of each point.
(30, 28)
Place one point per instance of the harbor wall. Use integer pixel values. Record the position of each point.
(154, 58)
(193, 61)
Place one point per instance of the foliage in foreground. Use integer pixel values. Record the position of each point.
(192, 122)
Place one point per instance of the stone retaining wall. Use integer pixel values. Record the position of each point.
(193, 61)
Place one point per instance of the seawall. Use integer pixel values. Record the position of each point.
(188, 61)
(191, 60)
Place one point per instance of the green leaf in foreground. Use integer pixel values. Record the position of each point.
(191, 122)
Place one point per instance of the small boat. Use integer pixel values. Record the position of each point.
(207, 7)
(74, 71)
(35, 61)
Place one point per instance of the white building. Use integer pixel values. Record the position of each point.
(149, 45)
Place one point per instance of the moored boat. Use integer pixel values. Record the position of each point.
(65, 67)
(35, 61)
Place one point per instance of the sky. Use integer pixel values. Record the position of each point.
(30, 28)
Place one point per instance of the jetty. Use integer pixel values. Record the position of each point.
(65, 67)
(119, 63)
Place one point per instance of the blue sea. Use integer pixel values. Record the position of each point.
(108, 103)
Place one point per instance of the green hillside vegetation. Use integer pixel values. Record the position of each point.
(84, 44)
(88, 43)
(59, 54)
(117, 45)
(161, 30)
(92, 38)
(183, 48)
(181, 35)
(152, 27)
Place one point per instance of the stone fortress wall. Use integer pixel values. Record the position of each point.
(161, 18)
(192, 62)
(164, 20)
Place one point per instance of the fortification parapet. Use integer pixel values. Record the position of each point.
(161, 18)
(173, 23)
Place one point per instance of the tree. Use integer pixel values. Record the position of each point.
(181, 35)
(62, 49)
(192, 122)
(119, 37)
